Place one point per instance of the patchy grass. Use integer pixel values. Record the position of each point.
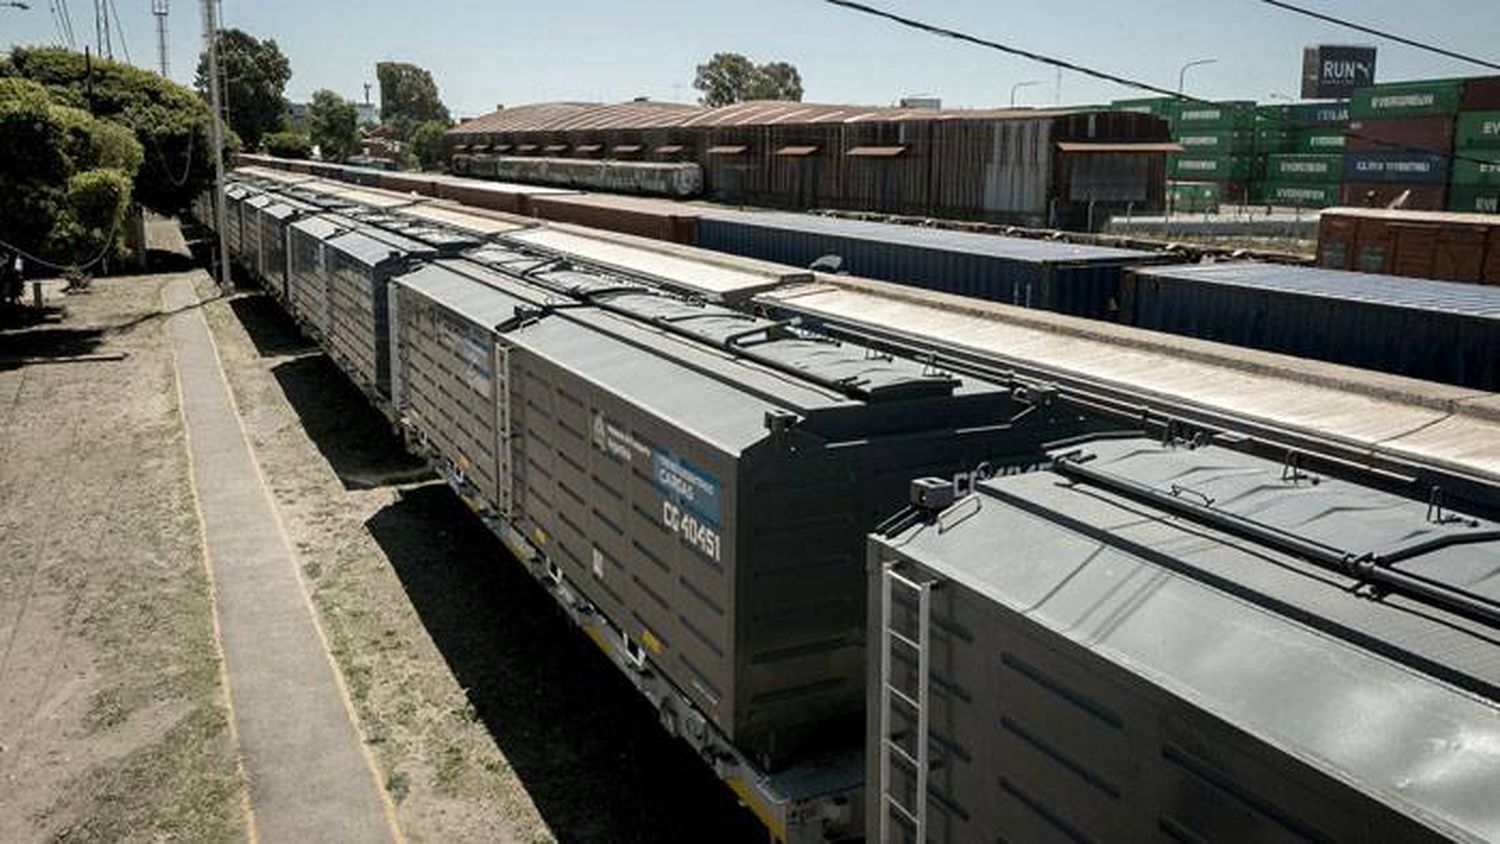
(172, 789)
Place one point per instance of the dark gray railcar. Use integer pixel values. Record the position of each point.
(234, 202)
(307, 275)
(1151, 642)
(1067, 278)
(275, 221)
(706, 478)
(445, 382)
(1437, 330)
(250, 230)
(357, 266)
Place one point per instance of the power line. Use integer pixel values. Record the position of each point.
(1379, 33)
(124, 47)
(933, 29)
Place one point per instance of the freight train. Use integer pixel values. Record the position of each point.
(695, 482)
(1365, 320)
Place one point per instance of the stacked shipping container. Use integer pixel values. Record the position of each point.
(1474, 183)
(1302, 153)
(1400, 142)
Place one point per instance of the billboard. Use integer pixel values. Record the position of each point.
(1330, 71)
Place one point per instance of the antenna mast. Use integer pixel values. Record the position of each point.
(159, 9)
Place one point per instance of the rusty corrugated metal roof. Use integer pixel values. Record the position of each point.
(1121, 146)
(575, 116)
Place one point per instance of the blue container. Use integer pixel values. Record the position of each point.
(1063, 277)
(1397, 166)
(1437, 330)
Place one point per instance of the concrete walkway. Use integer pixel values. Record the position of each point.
(311, 777)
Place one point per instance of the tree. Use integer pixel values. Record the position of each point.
(333, 125)
(287, 145)
(776, 81)
(408, 97)
(169, 122)
(731, 78)
(427, 144)
(254, 73)
(66, 176)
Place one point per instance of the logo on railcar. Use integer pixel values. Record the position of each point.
(690, 502)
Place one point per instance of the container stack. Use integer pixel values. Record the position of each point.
(1301, 146)
(1217, 162)
(1474, 182)
(1218, 144)
(1400, 143)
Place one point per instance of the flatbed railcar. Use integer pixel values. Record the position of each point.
(1180, 640)
(810, 796)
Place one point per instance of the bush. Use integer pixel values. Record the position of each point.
(93, 221)
(168, 120)
(287, 145)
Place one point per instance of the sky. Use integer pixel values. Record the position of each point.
(512, 52)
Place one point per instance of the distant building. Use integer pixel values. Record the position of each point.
(921, 101)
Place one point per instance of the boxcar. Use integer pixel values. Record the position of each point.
(1157, 642)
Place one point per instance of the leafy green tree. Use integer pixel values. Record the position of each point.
(427, 144)
(66, 176)
(333, 125)
(255, 74)
(776, 81)
(728, 78)
(169, 121)
(408, 97)
(288, 145)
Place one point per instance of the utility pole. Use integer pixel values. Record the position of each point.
(159, 9)
(216, 137)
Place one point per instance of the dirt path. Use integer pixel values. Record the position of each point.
(491, 718)
(112, 724)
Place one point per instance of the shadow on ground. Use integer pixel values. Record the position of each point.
(31, 335)
(587, 747)
(355, 439)
(273, 334)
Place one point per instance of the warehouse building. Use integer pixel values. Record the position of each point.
(1064, 167)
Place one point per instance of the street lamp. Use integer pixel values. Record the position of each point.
(1182, 74)
(1018, 86)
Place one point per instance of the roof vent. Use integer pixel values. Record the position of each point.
(932, 494)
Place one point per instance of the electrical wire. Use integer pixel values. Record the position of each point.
(124, 46)
(944, 32)
(1379, 33)
(62, 37)
(67, 21)
(109, 244)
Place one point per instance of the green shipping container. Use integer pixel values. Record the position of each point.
(1163, 107)
(1476, 168)
(1407, 99)
(1216, 143)
(1478, 130)
(1275, 140)
(1299, 195)
(1210, 168)
(1193, 196)
(1195, 117)
(1328, 142)
(1304, 168)
(1474, 200)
